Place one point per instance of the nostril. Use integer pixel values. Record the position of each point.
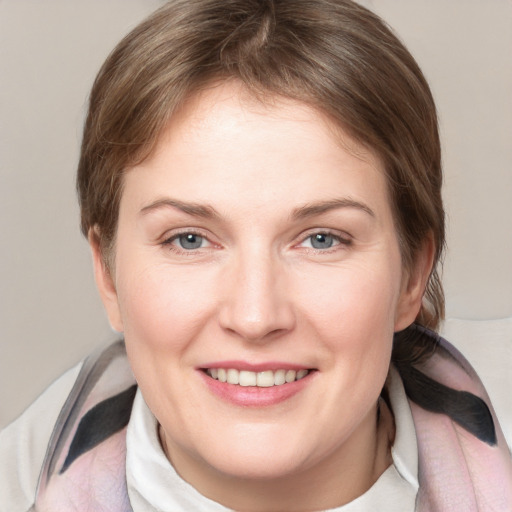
(256, 307)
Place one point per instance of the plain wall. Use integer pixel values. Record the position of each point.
(50, 315)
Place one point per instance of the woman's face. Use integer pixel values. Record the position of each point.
(254, 246)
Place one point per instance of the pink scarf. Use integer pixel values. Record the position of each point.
(457, 470)
(464, 462)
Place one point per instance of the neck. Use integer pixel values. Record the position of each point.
(336, 480)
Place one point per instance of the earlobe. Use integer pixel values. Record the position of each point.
(105, 282)
(414, 284)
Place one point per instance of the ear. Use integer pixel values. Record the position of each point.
(105, 282)
(414, 283)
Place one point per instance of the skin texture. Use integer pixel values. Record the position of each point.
(256, 291)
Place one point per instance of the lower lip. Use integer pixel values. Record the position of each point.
(253, 396)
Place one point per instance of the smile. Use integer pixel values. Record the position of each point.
(256, 385)
(263, 379)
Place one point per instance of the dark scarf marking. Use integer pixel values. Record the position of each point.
(102, 421)
(466, 409)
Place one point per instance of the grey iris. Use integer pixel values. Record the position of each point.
(322, 241)
(190, 241)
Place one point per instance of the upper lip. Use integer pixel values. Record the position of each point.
(255, 367)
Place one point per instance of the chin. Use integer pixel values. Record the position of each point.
(260, 466)
(262, 457)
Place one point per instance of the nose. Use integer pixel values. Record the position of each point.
(257, 306)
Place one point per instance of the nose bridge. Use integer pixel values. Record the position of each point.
(256, 304)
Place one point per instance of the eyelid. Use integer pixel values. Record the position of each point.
(342, 237)
(170, 236)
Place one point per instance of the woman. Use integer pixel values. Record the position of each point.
(260, 184)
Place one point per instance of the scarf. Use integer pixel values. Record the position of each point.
(464, 461)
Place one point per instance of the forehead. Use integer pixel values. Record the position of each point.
(230, 106)
(224, 143)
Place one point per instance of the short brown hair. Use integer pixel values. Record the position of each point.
(334, 55)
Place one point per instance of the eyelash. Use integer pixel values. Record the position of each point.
(341, 241)
(169, 242)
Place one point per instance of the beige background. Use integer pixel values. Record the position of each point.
(50, 316)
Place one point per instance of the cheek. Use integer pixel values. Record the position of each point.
(352, 315)
(359, 298)
(162, 310)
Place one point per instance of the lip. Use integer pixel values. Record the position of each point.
(254, 367)
(253, 396)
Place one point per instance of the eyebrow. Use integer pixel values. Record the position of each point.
(302, 212)
(195, 209)
(312, 209)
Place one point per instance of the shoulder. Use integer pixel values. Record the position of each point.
(24, 442)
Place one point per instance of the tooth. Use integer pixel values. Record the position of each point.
(279, 377)
(301, 374)
(265, 379)
(290, 375)
(247, 378)
(232, 376)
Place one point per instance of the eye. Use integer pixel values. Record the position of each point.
(188, 241)
(323, 241)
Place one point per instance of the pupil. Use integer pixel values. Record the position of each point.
(321, 241)
(190, 241)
